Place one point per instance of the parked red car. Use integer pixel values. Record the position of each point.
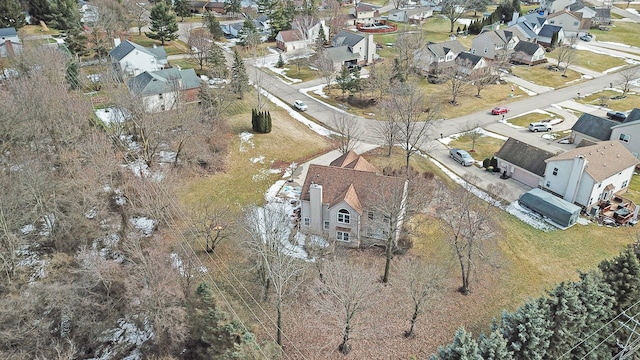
(499, 110)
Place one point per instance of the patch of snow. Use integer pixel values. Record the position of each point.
(31, 260)
(144, 224)
(91, 213)
(177, 263)
(27, 229)
(259, 159)
(139, 168)
(527, 91)
(246, 140)
(527, 216)
(112, 115)
(167, 156)
(289, 170)
(613, 69)
(127, 338)
(483, 132)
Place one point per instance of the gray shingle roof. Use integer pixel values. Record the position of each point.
(603, 13)
(163, 81)
(526, 47)
(465, 58)
(442, 48)
(524, 156)
(594, 126)
(634, 115)
(125, 47)
(347, 38)
(342, 54)
(548, 30)
(10, 31)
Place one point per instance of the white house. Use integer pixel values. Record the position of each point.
(494, 44)
(296, 38)
(436, 56)
(572, 23)
(551, 6)
(528, 53)
(628, 132)
(414, 15)
(356, 43)
(9, 34)
(130, 59)
(342, 201)
(164, 89)
(363, 14)
(586, 175)
(545, 35)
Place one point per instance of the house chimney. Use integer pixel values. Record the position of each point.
(315, 206)
(116, 41)
(9, 47)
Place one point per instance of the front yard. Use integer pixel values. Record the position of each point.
(609, 99)
(621, 32)
(541, 75)
(592, 61)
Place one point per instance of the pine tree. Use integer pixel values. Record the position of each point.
(398, 74)
(64, 15)
(248, 35)
(463, 347)
(322, 37)
(280, 63)
(182, 8)
(494, 346)
(12, 15)
(527, 330)
(72, 75)
(269, 124)
(623, 275)
(213, 25)
(344, 79)
(164, 26)
(567, 316)
(239, 78)
(39, 10)
(217, 62)
(232, 7)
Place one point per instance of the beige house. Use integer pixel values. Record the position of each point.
(434, 56)
(571, 22)
(363, 14)
(415, 15)
(497, 44)
(342, 201)
(357, 45)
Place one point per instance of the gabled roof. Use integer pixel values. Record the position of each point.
(499, 36)
(576, 6)
(291, 35)
(358, 188)
(604, 159)
(526, 47)
(9, 31)
(347, 38)
(163, 81)
(124, 48)
(445, 47)
(467, 58)
(576, 15)
(533, 19)
(523, 31)
(344, 159)
(525, 156)
(634, 115)
(342, 54)
(594, 126)
(360, 8)
(548, 30)
(603, 13)
(351, 160)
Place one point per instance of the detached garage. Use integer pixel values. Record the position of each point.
(548, 205)
(522, 162)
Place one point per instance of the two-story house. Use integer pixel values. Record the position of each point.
(414, 15)
(546, 34)
(350, 45)
(522, 162)
(342, 201)
(434, 57)
(130, 59)
(586, 175)
(164, 89)
(298, 38)
(552, 6)
(363, 14)
(628, 132)
(591, 128)
(494, 45)
(572, 23)
(528, 53)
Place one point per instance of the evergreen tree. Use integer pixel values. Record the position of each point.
(269, 123)
(39, 10)
(164, 26)
(213, 25)
(527, 330)
(623, 275)
(265, 6)
(182, 8)
(280, 63)
(398, 73)
(64, 15)
(239, 79)
(217, 62)
(464, 347)
(322, 38)
(279, 19)
(567, 316)
(12, 14)
(248, 35)
(72, 75)
(76, 43)
(344, 79)
(494, 346)
(232, 7)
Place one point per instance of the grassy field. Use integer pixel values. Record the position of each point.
(592, 61)
(33, 30)
(621, 32)
(631, 101)
(174, 47)
(539, 74)
(526, 119)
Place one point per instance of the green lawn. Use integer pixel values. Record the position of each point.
(631, 101)
(540, 75)
(485, 146)
(592, 61)
(621, 32)
(526, 119)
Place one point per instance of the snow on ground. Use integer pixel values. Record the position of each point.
(259, 159)
(179, 265)
(447, 139)
(125, 340)
(246, 140)
(112, 115)
(143, 224)
(527, 91)
(31, 259)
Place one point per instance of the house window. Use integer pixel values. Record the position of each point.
(326, 225)
(370, 215)
(548, 184)
(486, 50)
(555, 171)
(344, 216)
(160, 96)
(473, 51)
(306, 221)
(575, 23)
(552, 22)
(625, 138)
(625, 183)
(342, 236)
(387, 220)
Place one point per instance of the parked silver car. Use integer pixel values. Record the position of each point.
(461, 156)
(539, 126)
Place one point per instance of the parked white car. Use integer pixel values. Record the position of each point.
(300, 105)
(461, 156)
(539, 126)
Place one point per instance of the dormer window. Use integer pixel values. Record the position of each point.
(344, 216)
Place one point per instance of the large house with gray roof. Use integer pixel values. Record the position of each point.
(130, 59)
(343, 202)
(350, 45)
(528, 53)
(435, 57)
(494, 45)
(164, 89)
(522, 162)
(592, 129)
(586, 175)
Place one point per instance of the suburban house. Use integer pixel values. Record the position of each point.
(413, 16)
(545, 36)
(355, 43)
(200, 7)
(294, 39)
(586, 175)
(342, 201)
(528, 53)
(164, 89)
(522, 162)
(232, 29)
(498, 44)
(9, 34)
(628, 132)
(342, 56)
(262, 24)
(602, 17)
(552, 6)
(571, 22)
(363, 14)
(131, 59)
(523, 31)
(591, 128)
(10, 44)
(437, 56)
(468, 63)
(579, 7)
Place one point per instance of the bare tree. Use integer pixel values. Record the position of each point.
(406, 44)
(453, 10)
(422, 281)
(268, 240)
(348, 129)
(346, 292)
(215, 223)
(473, 131)
(467, 222)
(408, 118)
(324, 64)
(481, 78)
(200, 42)
(139, 13)
(566, 55)
(336, 17)
(456, 80)
(387, 131)
(627, 76)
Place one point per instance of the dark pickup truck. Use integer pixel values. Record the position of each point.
(616, 115)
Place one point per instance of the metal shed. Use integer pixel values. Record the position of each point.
(548, 205)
